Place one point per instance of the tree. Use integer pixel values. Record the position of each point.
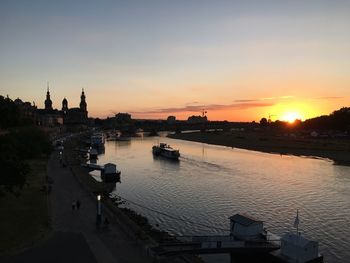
(263, 122)
(10, 114)
(14, 169)
(21, 142)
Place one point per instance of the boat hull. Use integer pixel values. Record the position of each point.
(170, 154)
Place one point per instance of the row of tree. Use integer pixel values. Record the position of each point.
(20, 141)
(339, 120)
(11, 114)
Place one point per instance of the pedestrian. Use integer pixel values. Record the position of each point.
(78, 204)
(73, 205)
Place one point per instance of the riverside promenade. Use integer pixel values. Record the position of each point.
(107, 245)
(74, 237)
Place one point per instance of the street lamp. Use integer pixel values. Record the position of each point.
(98, 215)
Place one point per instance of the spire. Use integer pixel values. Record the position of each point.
(48, 101)
(64, 105)
(83, 105)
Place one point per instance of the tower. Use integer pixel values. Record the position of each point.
(64, 106)
(83, 105)
(48, 101)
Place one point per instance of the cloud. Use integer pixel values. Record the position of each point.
(268, 98)
(329, 98)
(190, 103)
(279, 98)
(211, 107)
(246, 100)
(287, 97)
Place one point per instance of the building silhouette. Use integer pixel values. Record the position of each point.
(171, 120)
(75, 115)
(50, 117)
(197, 119)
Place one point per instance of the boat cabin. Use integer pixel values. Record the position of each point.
(163, 145)
(298, 249)
(110, 173)
(245, 227)
(110, 168)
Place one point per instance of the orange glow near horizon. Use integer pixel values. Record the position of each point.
(291, 117)
(283, 112)
(298, 109)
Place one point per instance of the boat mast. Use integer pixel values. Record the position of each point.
(296, 222)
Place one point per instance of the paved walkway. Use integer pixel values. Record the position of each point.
(107, 246)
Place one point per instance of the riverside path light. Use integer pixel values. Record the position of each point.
(98, 215)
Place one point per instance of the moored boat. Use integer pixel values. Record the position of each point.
(110, 173)
(165, 150)
(97, 140)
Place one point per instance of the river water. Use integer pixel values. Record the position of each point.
(210, 183)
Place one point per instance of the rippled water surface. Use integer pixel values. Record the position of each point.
(211, 183)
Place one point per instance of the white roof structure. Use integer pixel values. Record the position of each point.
(110, 168)
(244, 220)
(296, 240)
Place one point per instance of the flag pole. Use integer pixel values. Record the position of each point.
(298, 222)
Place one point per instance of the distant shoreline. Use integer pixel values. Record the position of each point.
(335, 150)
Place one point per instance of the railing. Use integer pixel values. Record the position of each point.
(269, 237)
(266, 241)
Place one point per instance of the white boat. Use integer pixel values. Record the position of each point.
(110, 173)
(97, 139)
(165, 150)
(297, 248)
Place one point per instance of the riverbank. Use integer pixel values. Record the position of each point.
(24, 219)
(336, 150)
(134, 227)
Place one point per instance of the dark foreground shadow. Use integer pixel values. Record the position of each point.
(61, 247)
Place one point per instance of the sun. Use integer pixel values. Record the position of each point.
(291, 116)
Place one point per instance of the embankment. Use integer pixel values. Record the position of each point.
(336, 150)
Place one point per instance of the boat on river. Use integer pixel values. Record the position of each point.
(97, 140)
(165, 150)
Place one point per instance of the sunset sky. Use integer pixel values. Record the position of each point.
(238, 60)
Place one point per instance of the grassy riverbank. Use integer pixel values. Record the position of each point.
(24, 219)
(337, 150)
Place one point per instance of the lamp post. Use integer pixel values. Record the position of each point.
(98, 215)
